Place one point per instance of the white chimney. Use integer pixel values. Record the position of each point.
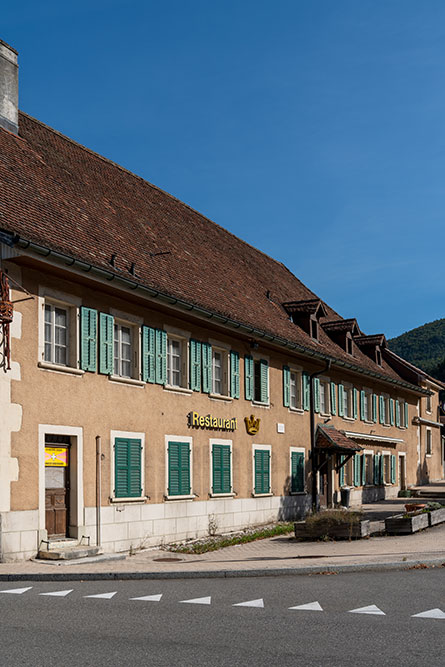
(9, 88)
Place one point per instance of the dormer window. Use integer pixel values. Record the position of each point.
(314, 328)
(342, 332)
(378, 356)
(349, 344)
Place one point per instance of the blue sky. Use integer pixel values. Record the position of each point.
(313, 129)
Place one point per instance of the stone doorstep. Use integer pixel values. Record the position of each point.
(69, 553)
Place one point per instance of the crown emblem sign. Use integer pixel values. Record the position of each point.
(252, 424)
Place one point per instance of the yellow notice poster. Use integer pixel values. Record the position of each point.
(56, 456)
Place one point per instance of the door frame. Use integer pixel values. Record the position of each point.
(76, 502)
(402, 462)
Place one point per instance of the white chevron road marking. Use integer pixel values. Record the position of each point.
(59, 594)
(372, 609)
(149, 598)
(311, 606)
(251, 603)
(431, 613)
(103, 596)
(17, 591)
(206, 600)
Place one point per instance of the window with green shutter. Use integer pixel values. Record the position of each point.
(221, 469)
(341, 401)
(341, 472)
(261, 380)
(391, 411)
(374, 408)
(377, 469)
(393, 468)
(179, 469)
(207, 381)
(354, 402)
(161, 356)
(297, 472)
(88, 339)
(234, 374)
(397, 413)
(248, 378)
(127, 468)
(306, 391)
(316, 390)
(262, 471)
(357, 470)
(148, 354)
(333, 398)
(106, 342)
(286, 386)
(195, 365)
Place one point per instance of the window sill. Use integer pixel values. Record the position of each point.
(348, 419)
(298, 493)
(221, 397)
(178, 390)
(189, 497)
(60, 369)
(141, 500)
(298, 411)
(222, 495)
(258, 404)
(428, 456)
(262, 495)
(124, 380)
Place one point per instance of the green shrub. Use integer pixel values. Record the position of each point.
(324, 522)
(405, 493)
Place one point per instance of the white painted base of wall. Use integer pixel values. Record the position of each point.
(372, 494)
(19, 535)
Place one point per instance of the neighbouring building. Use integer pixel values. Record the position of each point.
(161, 368)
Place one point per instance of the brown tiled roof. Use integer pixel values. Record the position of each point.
(327, 437)
(63, 196)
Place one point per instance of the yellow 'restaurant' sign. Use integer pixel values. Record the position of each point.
(209, 421)
(56, 456)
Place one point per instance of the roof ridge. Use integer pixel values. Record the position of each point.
(156, 187)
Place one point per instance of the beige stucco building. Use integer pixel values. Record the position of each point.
(161, 369)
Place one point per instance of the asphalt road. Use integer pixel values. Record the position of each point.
(70, 629)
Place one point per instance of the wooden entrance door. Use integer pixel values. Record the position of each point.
(56, 501)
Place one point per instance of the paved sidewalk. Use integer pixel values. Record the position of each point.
(277, 555)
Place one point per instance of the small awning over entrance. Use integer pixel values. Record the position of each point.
(328, 438)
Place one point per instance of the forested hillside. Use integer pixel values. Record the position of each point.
(424, 347)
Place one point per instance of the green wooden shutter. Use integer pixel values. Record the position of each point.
(362, 405)
(397, 413)
(262, 471)
(382, 470)
(286, 386)
(354, 402)
(148, 354)
(127, 468)
(234, 374)
(341, 404)
(341, 472)
(161, 357)
(316, 390)
(264, 375)
(406, 415)
(393, 469)
(377, 469)
(382, 409)
(221, 469)
(178, 469)
(333, 399)
(306, 391)
(88, 339)
(206, 368)
(297, 472)
(374, 408)
(357, 475)
(363, 468)
(106, 343)
(248, 377)
(195, 365)
(391, 411)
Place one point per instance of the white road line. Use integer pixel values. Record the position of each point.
(149, 598)
(311, 606)
(206, 600)
(59, 594)
(431, 613)
(250, 603)
(372, 609)
(17, 591)
(103, 596)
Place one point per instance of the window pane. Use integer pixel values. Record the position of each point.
(60, 317)
(257, 381)
(293, 390)
(47, 313)
(48, 352)
(60, 355)
(174, 361)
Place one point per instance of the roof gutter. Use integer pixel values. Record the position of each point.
(181, 304)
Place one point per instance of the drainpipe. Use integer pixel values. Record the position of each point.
(315, 499)
(98, 487)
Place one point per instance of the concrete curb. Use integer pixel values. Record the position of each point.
(223, 574)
